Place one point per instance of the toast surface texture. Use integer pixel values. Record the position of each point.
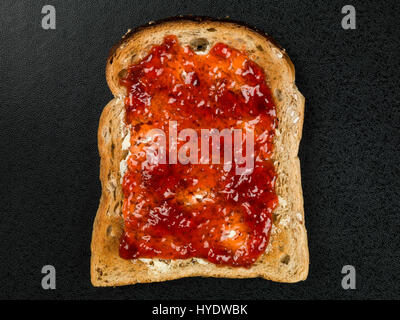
(286, 258)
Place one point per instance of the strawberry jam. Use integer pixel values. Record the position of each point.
(207, 210)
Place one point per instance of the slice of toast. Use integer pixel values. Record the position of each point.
(286, 258)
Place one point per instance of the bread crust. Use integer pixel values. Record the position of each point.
(286, 258)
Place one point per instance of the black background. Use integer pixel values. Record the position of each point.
(53, 90)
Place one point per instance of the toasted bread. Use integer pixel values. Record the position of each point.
(286, 258)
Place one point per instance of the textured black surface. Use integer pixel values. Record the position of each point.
(53, 90)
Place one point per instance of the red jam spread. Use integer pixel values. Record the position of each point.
(179, 211)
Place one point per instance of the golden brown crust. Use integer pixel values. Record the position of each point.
(286, 259)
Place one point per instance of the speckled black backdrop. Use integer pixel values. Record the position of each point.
(52, 92)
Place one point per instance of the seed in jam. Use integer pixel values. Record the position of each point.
(178, 211)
